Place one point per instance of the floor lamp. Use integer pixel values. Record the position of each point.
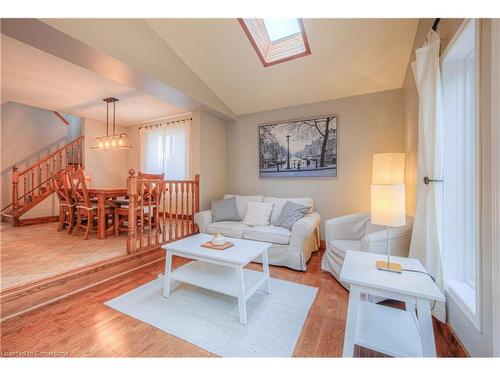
(388, 198)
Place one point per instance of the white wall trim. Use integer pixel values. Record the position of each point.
(495, 179)
(469, 300)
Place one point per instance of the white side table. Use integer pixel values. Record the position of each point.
(395, 332)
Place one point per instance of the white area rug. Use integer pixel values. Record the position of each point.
(210, 320)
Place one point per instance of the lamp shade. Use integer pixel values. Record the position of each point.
(388, 168)
(388, 205)
(111, 142)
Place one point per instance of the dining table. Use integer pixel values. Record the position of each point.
(104, 196)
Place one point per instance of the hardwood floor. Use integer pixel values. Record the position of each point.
(38, 251)
(82, 325)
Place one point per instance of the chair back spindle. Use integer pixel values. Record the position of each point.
(79, 189)
(62, 188)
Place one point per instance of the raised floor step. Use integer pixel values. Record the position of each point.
(19, 299)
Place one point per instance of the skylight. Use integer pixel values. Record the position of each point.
(281, 28)
(276, 40)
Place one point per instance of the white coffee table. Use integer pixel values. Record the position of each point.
(221, 271)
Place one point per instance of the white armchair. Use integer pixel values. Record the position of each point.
(355, 232)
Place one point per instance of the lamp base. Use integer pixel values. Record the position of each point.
(391, 267)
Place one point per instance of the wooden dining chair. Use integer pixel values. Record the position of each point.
(86, 210)
(145, 200)
(67, 215)
(89, 181)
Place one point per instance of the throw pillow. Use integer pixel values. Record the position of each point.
(258, 213)
(225, 210)
(290, 213)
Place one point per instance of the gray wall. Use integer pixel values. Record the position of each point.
(367, 124)
(29, 134)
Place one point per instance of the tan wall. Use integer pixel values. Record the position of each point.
(208, 140)
(212, 159)
(28, 135)
(108, 168)
(367, 124)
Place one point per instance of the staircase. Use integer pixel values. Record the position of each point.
(32, 185)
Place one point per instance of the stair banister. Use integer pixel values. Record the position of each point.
(15, 193)
(35, 186)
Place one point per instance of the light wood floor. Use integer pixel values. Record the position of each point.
(82, 325)
(34, 252)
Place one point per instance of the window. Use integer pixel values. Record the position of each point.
(281, 28)
(165, 149)
(276, 40)
(461, 171)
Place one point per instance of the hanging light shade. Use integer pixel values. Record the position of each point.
(114, 141)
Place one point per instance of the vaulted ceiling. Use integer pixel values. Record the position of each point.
(33, 77)
(348, 57)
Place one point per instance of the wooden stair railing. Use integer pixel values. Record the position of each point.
(34, 184)
(160, 211)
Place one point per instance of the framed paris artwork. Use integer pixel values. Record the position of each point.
(304, 148)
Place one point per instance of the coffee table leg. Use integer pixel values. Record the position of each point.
(166, 277)
(242, 305)
(265, 268)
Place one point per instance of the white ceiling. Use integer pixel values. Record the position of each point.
(33, 77)
(349, 57)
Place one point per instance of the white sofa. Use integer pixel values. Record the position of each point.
(291, 248)
(356, 232)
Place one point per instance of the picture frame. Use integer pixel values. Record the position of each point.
(301, 148)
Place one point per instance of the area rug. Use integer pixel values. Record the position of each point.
(210, 320)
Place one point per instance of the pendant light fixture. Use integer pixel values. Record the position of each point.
(114, 141)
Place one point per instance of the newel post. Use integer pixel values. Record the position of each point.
(197, 191)
(132, 215)
(15, 195)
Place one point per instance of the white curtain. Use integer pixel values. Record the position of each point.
(165, 149)
(426, 242)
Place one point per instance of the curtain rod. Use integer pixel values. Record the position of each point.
(435, 24)
(165, 123)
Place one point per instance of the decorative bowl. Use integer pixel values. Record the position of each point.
(218, 240)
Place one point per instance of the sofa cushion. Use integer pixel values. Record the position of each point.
(227, 228)
(241, 202)
(340, 247)
(280, 202)
(225, 210)
(290, 213)
(268, 233)
(258, 213)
